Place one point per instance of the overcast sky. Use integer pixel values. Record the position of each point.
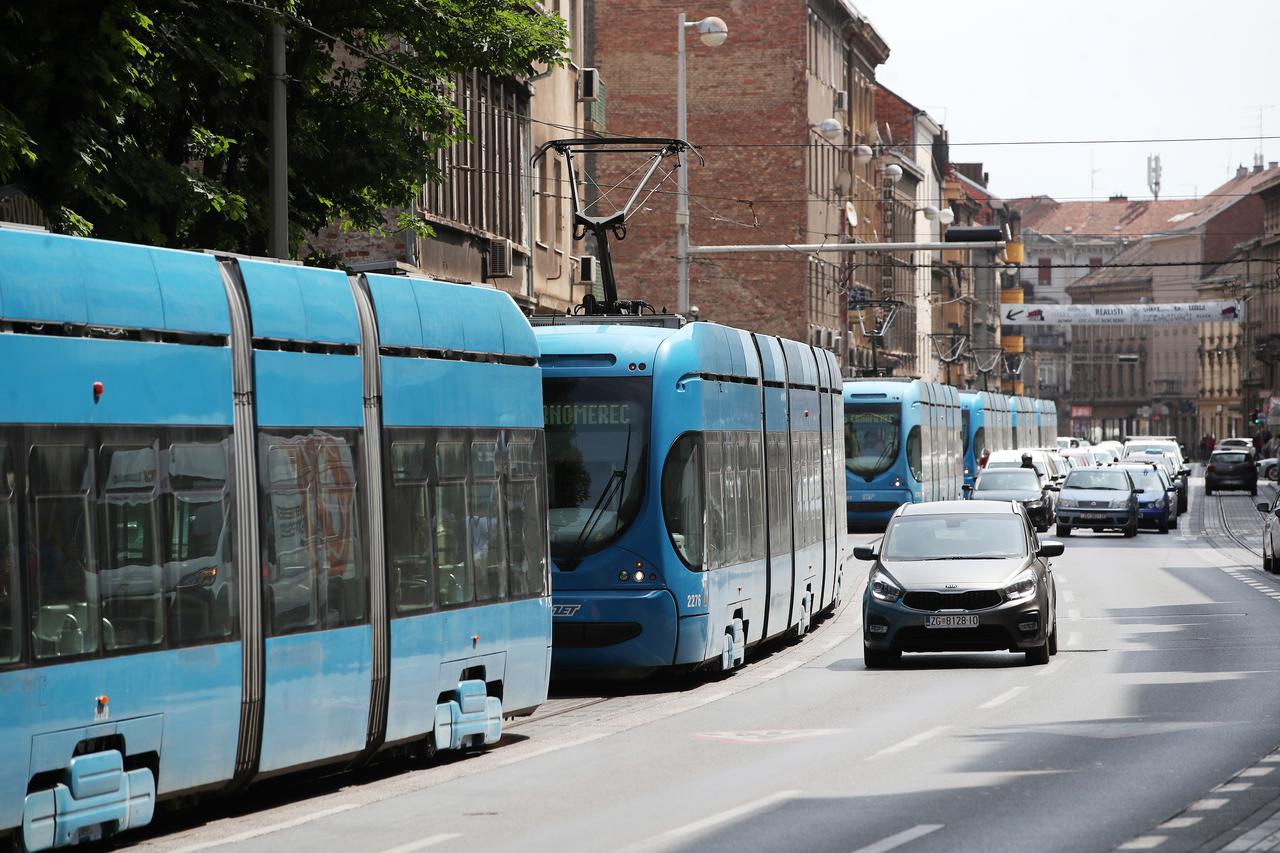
(1089, 69)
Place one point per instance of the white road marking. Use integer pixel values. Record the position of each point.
(1073, 614)
(901, 838)
(1179, 823)
(1073, 639)
(697, 826)
(1232, 788)
(914, 740)
(1053, 666)
(266, 830)
(1144, 842)
(1254, 772)
(1068, 595)
(1208, 804)
(1269, 759)
(423, 843)
(1001, 699)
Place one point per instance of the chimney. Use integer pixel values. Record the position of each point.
(1118, 197)
(1257, 167)
(1242, 171)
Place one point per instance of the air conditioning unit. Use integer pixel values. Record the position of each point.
(588, 269)
(841, 101)
(500, 263)
(589, 85)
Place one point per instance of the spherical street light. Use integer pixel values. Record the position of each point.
(712, 31)
(946, 216)
(862, 154)
(930, 212)
(831, 129)
(893, 171)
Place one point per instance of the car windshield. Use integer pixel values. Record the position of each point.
(1005, 479)
(956, 537)
(1136, 449)
(1036, 461)
(1228, 458)
(597, 440)
(1146, 479)
(871, 437)
(1103, 480)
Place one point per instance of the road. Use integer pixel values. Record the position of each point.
(1153, 728)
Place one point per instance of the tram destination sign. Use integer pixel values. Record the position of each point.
(1163, 313)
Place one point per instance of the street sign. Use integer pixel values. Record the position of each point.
(1162, 313)
(1082, 411)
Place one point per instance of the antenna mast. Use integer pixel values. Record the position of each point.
(1153, 175)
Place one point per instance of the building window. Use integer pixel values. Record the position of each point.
(1095, 262)
(483, 171)
(1044, 273)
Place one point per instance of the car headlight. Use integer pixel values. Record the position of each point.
(1066, 503)
(1035, 504)
(884, 587)
(1022, 586)
(1161, 504)
(1120, 503)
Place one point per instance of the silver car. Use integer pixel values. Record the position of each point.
(959, 576)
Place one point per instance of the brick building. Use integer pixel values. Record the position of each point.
(754, 104)
(496, 219)
(1260, 379)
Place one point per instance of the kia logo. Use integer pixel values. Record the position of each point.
(952, 586)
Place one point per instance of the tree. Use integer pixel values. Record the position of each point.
(146, 120)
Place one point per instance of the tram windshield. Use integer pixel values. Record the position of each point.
(597, 434)
(871, 437)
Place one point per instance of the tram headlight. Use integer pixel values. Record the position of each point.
(638, 576)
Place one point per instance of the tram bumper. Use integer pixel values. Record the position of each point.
(875, 507)
(607, 630)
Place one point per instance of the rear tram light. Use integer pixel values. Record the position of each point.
(98, 389)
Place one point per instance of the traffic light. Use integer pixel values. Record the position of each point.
(1255, 417)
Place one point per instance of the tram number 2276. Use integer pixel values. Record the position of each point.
(694, 600)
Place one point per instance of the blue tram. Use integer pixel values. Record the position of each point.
(986, 426)
(694, 476)
(1047, 420)
(1035, 423)
(903, 445)
(253, 517)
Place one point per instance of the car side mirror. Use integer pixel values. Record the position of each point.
(1185, 472)
(864, 552)
(1263, 507)
(1049, 548)
(1135, 491)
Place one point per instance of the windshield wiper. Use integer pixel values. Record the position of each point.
(617, 482)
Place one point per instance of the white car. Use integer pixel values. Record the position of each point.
(1234, 443)
(1049, 466)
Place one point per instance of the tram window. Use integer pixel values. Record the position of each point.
(10, 591)
(715, 502)
(682, 503)
(780, 507)
(913, 452)
(979, 442)
(65, 619)
(729, 544)
(746, 510)
(197, 555)
(454, 582)
(964, 428)
(755, 489)
(409, 529)
(488, 550)
(129, 576)
(526, 542)
(315, 573)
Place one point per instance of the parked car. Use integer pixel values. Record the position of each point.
(1269, 534)
(1230, 470)
(1268, 469)
(959, 576)
(1022, 485)
(1100, 499)
(1158, 503)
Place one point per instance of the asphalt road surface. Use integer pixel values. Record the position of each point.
(1153, 728)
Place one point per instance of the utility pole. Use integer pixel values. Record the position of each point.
(278, 135)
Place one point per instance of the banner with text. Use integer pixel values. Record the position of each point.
(1163, 313)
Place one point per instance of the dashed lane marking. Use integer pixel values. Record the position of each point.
(1180, 822)
(1002, 698)
(1208, 804)
(1144, 842)
(1255, 772)
(1073, 614)
(901, 838)
(424, 843)
(913, 741)
(752, 738)
(267, 830)
(683, 832)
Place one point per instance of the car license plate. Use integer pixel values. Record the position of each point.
(951, 621)
(1092, 515)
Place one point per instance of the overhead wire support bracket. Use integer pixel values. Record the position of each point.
(615, 223)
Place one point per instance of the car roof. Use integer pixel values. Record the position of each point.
(960, 508)
(1241, 450)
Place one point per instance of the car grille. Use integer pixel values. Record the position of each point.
(1095, 504)
(982, 638)
(976, 599)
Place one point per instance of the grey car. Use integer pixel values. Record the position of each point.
(1100, 499)
(959, 576)
(1023, 485)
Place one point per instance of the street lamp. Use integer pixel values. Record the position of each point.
(712, 32)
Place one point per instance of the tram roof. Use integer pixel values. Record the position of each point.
(54, 278)
(423, 313)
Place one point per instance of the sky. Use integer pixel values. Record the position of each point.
(997, 71)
